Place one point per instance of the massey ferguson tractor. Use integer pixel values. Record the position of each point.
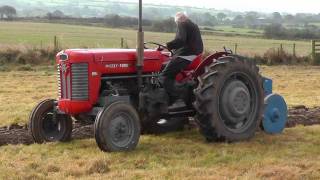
(120, 92)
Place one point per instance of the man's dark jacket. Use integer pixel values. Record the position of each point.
(188, 40)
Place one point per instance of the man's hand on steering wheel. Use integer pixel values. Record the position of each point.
(159, 48)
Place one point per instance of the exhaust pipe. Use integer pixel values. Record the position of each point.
(140, 47)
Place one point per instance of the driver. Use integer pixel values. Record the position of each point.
(186, 46)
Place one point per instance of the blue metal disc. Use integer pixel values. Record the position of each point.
(275, 114)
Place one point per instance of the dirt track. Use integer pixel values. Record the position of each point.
(16, 134)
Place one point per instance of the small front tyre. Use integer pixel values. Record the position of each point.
(47, 126)
(117, 128)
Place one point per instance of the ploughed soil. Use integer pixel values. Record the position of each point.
(16, 134)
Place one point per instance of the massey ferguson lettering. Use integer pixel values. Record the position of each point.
(117, 65)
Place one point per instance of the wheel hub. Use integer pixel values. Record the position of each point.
(51, 127)
(120, 130)
(235, 101)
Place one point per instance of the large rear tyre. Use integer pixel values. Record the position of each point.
(229, 100)
(46, 126)
(117, 128)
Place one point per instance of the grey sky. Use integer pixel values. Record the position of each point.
(290, 6)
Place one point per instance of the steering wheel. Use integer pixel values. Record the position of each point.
(160, 46)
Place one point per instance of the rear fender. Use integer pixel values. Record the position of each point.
(207, 61)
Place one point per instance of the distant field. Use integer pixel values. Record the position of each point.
(21, 91)
(240, 31)
(18, 34)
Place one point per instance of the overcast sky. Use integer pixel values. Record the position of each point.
(290, 6)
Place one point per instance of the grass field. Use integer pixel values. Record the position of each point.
(292, 155)
(240, 31)
(17, 34)
(184, 155)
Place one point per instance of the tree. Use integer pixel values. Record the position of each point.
(209, 20)
(167, 25)
(238, 21)
(289, 18)
(113, 20)
(251, 19)
(221, 16)
(275, 31)
(276, 18)
(8, 12)
(57, 14)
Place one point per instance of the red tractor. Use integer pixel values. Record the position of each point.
(119, 91)
(224, 92)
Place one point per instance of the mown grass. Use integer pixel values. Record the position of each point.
(185, 155)
(17, 34)
(20, 91)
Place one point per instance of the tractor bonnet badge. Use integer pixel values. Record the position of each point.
(117, 65)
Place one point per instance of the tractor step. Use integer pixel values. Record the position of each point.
(179, 109)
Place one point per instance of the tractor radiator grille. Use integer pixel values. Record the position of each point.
(79, 81)
(59, 82)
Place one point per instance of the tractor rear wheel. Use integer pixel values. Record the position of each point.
(117, 128)
(229, 99)
(46, 126)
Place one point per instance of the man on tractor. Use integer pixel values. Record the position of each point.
(186, 46)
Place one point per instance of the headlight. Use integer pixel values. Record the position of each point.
(63, 57)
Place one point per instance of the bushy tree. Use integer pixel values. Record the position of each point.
(221, 17)
(276, 18)
(238, 21)
(278, 31)
(8, 12)
(167, 25)
(251, 19)
(289, 18)
(57, 14)
(115, 20)
(209, 20)
(274, 31)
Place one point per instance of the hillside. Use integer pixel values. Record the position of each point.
(73, 36)
(98, 8)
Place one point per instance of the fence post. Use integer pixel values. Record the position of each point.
(313, 53)
(281, 48)
(294, 50)
(236, 48)
(122, 43)
(55, 43)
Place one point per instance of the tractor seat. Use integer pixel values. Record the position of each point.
(195, 63)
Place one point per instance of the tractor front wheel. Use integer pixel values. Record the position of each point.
(47, 126)
(117, 128)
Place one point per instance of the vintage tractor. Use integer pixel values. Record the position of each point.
(223, 92)
(120, 92)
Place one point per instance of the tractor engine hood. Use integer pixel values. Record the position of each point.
(107, 55)
(117, 61)
(114, 61)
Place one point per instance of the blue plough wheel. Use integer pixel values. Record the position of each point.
(275, 114)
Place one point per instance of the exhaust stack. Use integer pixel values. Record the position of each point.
(140, 47)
